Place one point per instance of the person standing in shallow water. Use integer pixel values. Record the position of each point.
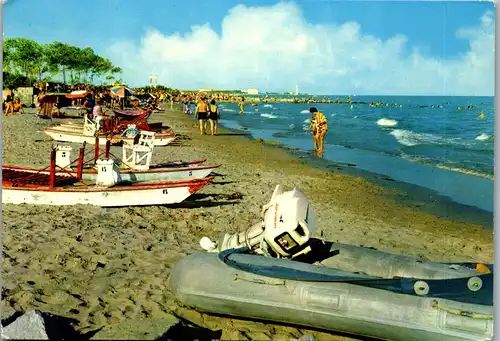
(242, 105)
(201, 113)
(214, 116)
(321, 129)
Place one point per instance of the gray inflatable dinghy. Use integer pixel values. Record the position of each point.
(343, 288)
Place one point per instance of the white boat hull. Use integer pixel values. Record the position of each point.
(77, 136)
(158, 174)
(137, 197)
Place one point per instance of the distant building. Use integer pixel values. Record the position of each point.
(253, 91)
(206, 90)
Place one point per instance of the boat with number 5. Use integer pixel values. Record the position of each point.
(20, 186)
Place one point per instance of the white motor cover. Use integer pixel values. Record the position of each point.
(289, 221)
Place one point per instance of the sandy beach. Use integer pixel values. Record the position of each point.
(108, 268)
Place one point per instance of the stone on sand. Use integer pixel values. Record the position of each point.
(29, 326)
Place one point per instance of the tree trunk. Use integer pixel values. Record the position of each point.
(64, 74)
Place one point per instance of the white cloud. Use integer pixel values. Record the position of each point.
(273, 48)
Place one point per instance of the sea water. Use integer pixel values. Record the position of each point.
(433, 142)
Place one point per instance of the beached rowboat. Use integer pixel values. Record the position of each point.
(78, 136)
(22, 186)
(73, 193)
(164, 172)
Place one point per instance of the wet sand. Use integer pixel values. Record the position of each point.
(108, 268)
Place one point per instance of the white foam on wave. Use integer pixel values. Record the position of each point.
(423, 160)
(268, 115)
(355, 116)
(268, 106)
(409, 138)
(385, 122)
(483, 137)
(465, 171)
(307, 121)
(304, 112)
(228, 109)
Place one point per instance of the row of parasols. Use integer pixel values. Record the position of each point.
(118, 91)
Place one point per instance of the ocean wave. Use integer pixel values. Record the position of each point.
(483, 137)
(410, 139)
(466, 171)
(304, 112)
(385, 122)
(268, 115)
(307, 121)
(268, 106)
(440, 165)
(228, 109)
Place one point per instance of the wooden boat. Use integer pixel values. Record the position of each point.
(77, 133)
(20, 186)
(132, 169)
(165, 172)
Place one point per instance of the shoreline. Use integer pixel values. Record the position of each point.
(413, 195)
(108, 268)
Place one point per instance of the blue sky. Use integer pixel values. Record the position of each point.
(338, 46)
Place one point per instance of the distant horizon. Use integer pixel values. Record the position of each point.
(353, 47)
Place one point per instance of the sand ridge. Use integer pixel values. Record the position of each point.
(106, 267)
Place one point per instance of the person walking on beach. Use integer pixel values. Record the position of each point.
(201, 113)
(214, 116)
(321, 129)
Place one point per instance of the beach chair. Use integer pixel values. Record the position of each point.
(90, 127)
(138, 156)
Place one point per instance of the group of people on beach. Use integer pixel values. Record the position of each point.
(12, 104)
(207, 111)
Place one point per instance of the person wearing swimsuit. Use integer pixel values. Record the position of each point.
(9, 106)
(202, 114)
(214, 116)
(321, 129)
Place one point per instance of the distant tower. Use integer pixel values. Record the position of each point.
(153, 80)
(296, 89)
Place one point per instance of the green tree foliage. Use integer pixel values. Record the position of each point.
(33, 61)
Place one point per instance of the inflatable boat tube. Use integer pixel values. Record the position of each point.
(445, 302)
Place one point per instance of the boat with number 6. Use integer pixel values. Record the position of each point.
(20, 186)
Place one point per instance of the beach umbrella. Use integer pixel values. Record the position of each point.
(121, 91)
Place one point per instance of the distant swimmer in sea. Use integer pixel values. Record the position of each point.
(255, 107)
(321, 130)
(481, 115)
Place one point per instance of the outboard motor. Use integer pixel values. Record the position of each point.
(288, 222)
